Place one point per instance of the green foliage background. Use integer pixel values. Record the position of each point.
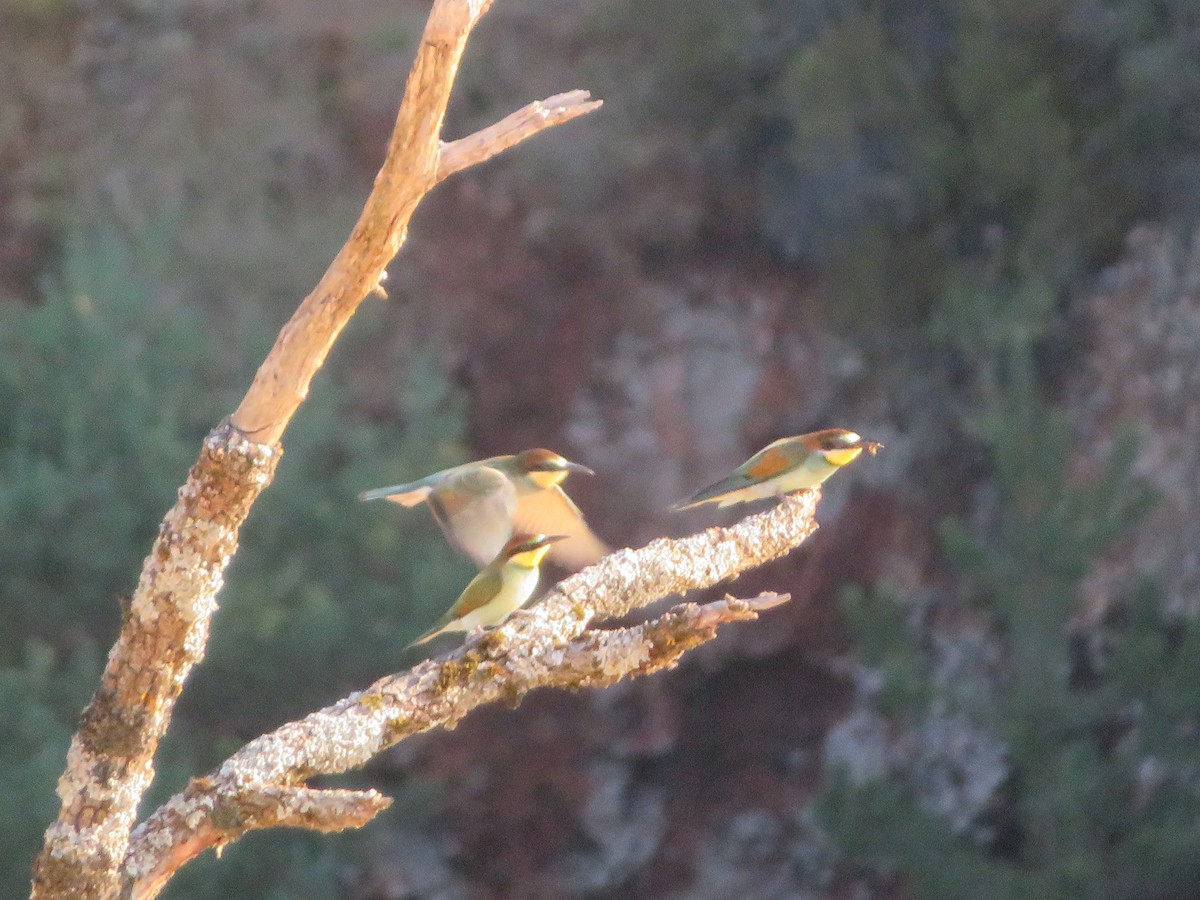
(953, 169)
(105, 394)
(1087, 728)
(950, 169)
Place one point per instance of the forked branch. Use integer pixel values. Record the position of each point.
(550, 646)
(110, 761)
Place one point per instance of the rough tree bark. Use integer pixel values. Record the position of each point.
(251, 790)
(110, 761)
(548, 646)
(88, 850)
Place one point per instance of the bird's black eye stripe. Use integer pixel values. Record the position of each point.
(841, 440)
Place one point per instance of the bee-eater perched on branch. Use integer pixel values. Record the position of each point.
(789, 464)
(500, 589)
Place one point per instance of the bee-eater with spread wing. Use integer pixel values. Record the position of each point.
(789, 464)
(481, 504)
(500, 589)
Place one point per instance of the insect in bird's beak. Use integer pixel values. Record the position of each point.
(871, 447)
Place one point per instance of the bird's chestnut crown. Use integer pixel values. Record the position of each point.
(527, 543)
(838, 439)
(541, 460)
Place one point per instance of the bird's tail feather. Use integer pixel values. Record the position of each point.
(426, 637)
(710, 494)
(404, 494)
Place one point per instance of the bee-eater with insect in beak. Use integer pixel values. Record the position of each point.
(789, 464)
(500, 589)
(481, 504)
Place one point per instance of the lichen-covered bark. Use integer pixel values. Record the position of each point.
(630, 579)
(229, 815)
(217, 810)
(110, 762)
(600, 658)
(548, 646)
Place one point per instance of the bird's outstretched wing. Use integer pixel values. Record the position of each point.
(475, 510)
(552, 512)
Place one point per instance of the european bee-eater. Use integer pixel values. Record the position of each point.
(789, 464)
(480, 505)
(500, 588)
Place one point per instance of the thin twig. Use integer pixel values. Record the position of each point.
(512, 129)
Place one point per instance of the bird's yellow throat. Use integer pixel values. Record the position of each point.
(530, 559)
(843, 456)
(547, 480)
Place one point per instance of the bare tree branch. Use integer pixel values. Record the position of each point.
(512, 129)
(546, 647)
(110, 761)
(408, 173)
(600, 658)
(630, 579)
(253, 807)
(213, 812)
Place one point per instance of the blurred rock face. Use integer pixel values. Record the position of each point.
(687, 393)
(661, 379)
(1143, 330)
